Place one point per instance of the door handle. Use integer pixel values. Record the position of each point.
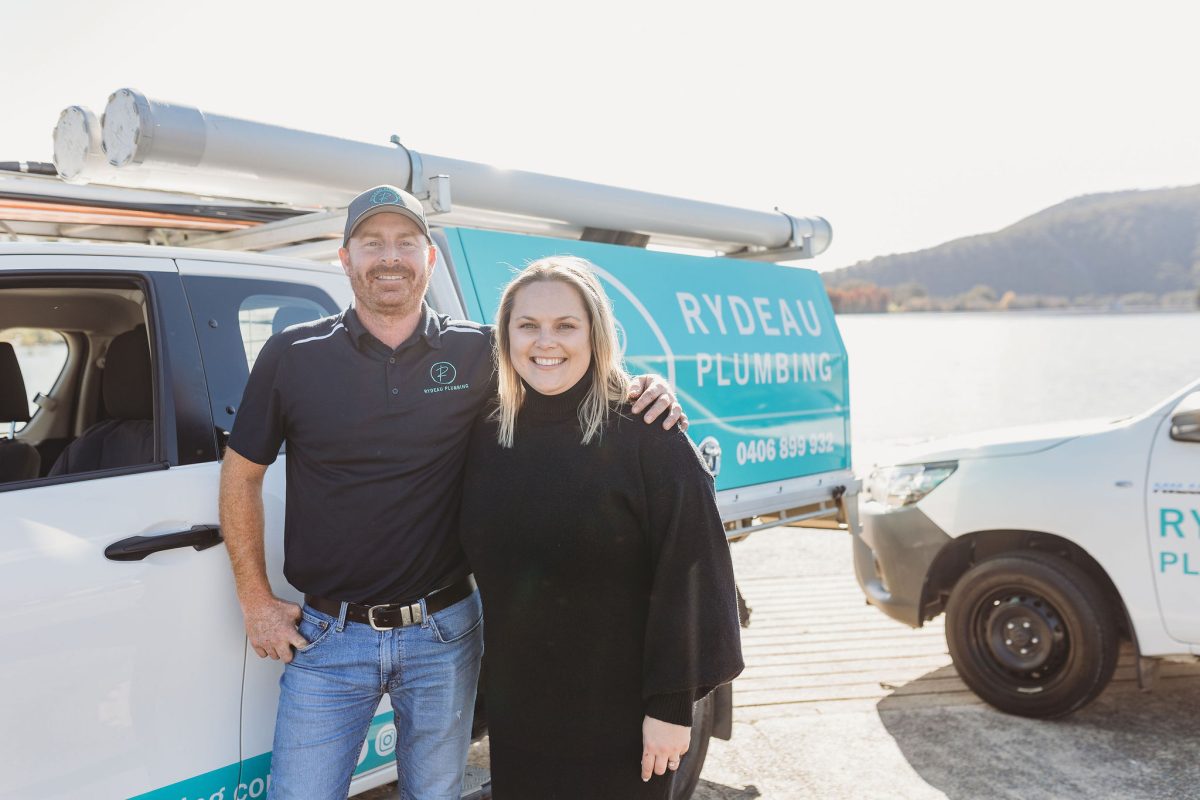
(135, 548)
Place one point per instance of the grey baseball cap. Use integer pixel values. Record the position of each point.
(379, 199)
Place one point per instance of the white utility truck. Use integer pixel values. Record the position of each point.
(140, 279)
(1045, 547)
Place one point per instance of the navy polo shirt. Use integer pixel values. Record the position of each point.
(376, 443)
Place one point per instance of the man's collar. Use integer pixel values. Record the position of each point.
(429, 327)
(353, 325)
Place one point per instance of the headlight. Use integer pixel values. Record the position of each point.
(901, 486)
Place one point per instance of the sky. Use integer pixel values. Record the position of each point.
(903, 124)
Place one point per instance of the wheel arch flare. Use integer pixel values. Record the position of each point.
(965, 551)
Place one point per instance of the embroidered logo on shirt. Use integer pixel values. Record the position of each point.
(444, 373)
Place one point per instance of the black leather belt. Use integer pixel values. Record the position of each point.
(386, 616)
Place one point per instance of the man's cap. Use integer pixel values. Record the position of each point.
(380, 199)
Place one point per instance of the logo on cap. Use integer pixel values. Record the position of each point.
(382, 196)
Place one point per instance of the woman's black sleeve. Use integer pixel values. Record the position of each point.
(693, 638)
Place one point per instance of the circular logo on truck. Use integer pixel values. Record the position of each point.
(710, 451)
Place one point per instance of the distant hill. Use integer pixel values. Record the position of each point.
(1101, 244)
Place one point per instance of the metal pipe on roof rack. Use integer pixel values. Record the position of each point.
(78, 154)
(139, 131)
(147, 135)
(80, 158)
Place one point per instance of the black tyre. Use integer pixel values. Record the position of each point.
(688, 774)
(1032, 634)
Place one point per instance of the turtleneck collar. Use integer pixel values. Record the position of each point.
(564, 406)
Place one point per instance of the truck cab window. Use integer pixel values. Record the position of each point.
(261, 316)
(40, 354)
(234, 318)
(123, 435)
(80, 357)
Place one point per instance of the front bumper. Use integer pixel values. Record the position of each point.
(893, 551)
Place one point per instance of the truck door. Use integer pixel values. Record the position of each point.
(235, 309)
(123, 650)
(1173, 506)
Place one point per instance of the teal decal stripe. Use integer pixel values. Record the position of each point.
(380, 747)
(251, 778)
(220, 783)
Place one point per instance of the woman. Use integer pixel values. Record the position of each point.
(600, 556)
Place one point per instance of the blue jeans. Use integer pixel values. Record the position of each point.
(331, 689)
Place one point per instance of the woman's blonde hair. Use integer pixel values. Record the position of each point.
(610, 382)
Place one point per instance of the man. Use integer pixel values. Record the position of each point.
(373, 483)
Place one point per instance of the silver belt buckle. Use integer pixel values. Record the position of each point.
(371, 619)
(408, 616)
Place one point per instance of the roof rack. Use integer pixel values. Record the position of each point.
(169, 173)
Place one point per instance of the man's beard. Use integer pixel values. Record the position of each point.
(389, 304)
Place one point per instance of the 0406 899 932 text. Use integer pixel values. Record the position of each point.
(784, 447)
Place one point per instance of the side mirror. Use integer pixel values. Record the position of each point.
(1185, 426)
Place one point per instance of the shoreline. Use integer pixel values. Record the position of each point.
(1081, 310)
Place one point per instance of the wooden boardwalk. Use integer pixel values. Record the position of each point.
(815, 646)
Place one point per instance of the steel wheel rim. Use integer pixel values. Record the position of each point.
(1021, 637)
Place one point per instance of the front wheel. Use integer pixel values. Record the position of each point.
(1031, 634)
(688, 774)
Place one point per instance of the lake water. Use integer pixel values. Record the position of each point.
(915, 376)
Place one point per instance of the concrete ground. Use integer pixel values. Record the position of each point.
(838, 701)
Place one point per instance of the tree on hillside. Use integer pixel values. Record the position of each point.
(1182, 300)
(907, 291)
(858, 297)
(979, 298)
(1139, 299)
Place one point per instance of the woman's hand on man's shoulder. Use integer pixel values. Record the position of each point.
(653, 396)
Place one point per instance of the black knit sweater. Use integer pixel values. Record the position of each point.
(605, 574)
